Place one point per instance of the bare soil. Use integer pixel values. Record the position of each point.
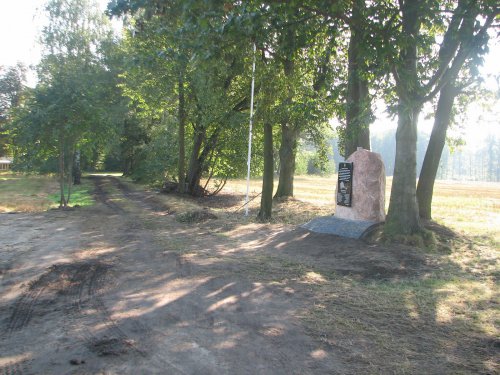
(123, 287)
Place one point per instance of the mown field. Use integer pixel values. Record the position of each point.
(471, 208)
(453, 306)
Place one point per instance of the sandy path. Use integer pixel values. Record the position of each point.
(122, 288)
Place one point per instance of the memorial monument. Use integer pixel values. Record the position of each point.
(360, 197)
(361, 187)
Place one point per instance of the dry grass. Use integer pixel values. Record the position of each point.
(452, 316)
(23, 193)
(319, 191)
(36, 193)
(472, 209)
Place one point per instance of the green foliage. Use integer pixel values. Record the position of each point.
(155, 161)
(207, 47)
(11, 93)
(187, 63)
(179, 45)
(313, 162)
(74, 106)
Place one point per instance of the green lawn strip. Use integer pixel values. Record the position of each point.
(81, 195)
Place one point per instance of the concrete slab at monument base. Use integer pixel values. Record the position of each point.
(341, 227)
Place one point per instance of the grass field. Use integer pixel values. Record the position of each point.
(469, 208)
(458, 302)
(35, 193)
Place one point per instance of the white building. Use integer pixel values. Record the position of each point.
(5, 163)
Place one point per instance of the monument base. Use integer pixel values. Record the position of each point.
(356, 229)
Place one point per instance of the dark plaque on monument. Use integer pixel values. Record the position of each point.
(344, 185)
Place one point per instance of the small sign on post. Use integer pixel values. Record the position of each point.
(344, 187)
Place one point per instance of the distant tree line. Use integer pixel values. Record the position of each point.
(461, 162)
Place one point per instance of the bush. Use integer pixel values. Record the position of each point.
(311, 163)
(155, 161)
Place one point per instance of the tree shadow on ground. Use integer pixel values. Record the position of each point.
(393, 308)
(149, 295)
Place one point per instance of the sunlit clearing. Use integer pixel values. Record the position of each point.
(220, 290)
(470, 301)
(312, 277)
(318, 354)
(226, 301)
(13, 359)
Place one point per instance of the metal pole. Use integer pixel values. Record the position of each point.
(250, 131)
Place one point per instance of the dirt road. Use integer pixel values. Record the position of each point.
(110, 290)
(124, 288)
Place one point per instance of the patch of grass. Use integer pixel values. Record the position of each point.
(297, 212)
(318, 191)
(197, 216)
(470, 208)
(35, 193)
(450, 317)
(26, 193)
(444, 321)
(264, 268)
(81, 195)
(402, 325)
(424, 239)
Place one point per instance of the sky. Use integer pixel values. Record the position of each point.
(20, 24)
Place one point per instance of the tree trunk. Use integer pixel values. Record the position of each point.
(425, 186)
(358, 111)
(71, 156)
(77, 172)
(266, 199)
(198, 160)
(288, 149)
(62, 201)
(182, 127)
(194, 171)
(289, 133)
(402, 216)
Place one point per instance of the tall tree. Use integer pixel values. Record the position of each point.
(419, 74)
(66, 110)
(303, 40)
(466, 30)
(358, 101)
(403, 216)
(11, 90)
(189, 39)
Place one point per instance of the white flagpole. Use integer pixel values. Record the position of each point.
(250, 131)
